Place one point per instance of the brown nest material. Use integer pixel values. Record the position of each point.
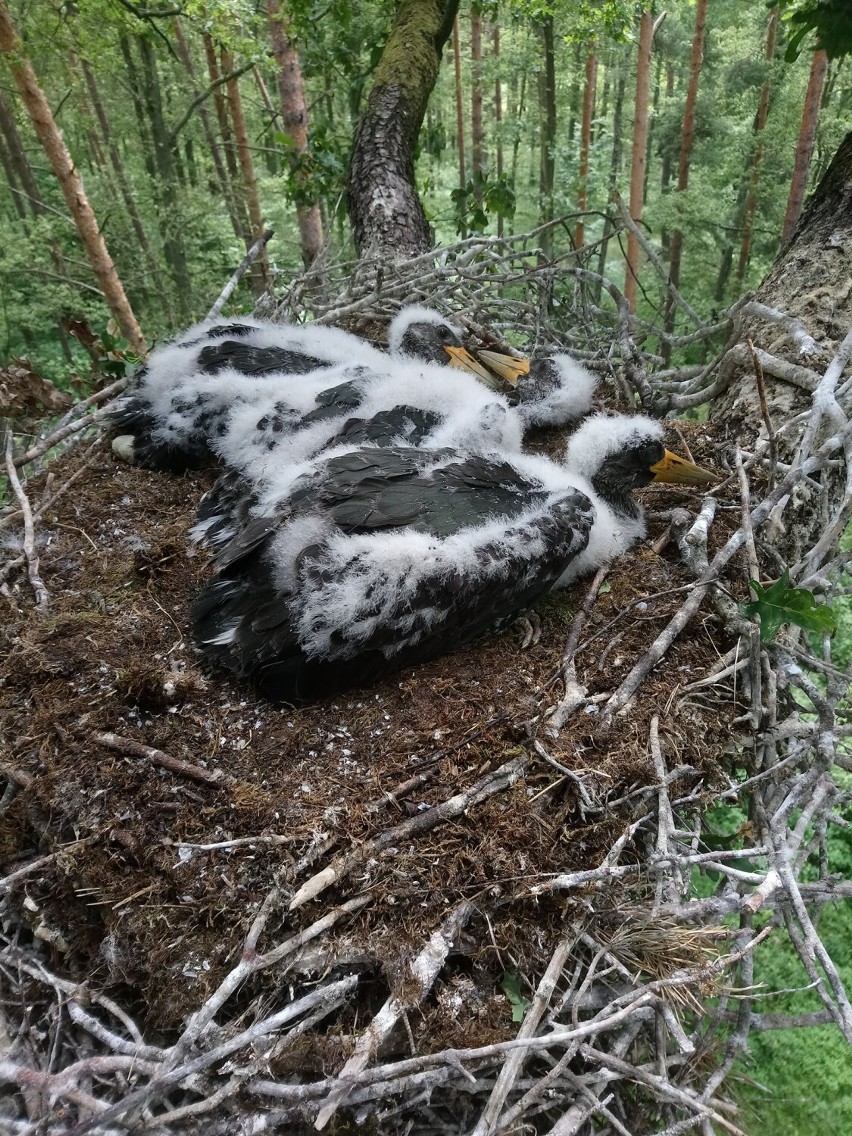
(170, 805)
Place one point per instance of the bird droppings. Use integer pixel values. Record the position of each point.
(164, 913)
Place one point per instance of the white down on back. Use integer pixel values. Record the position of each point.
(370, 581)
(472, 418)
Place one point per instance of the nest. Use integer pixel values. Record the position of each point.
(225, 916)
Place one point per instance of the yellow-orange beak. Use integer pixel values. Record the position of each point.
(506, 366)
(464, 361)
(679, 471)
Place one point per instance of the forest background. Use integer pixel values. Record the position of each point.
(183, 120)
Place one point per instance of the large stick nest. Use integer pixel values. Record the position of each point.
(224, 916)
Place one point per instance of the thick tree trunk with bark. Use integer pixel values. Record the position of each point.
(384, 208)
(808, 283)
(498, 116)
(70, 181)
(294, 113)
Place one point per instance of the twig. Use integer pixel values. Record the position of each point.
(243, 267)
(163, 760)
(41, 594)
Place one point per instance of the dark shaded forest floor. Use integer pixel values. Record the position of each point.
(136, 909)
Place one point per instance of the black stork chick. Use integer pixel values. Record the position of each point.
(550, 390)
(288, 376)
(375, 559)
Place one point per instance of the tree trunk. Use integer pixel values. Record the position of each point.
(585, 143)
(638, 153)
(384, 208)
(498, 115)
(805, 144)
(686, 139)
(294, 112)
(750, 207)
(165, 183)
(614, 168)
(17, 158)
(547, 103)
(69, 179)
(808, 267)
(260, 268)
(459, 105)
(477, 136)
(242, 223)
(123, 184)
(210, 136)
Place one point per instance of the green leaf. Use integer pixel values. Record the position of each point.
(512, 989)
(779, 604)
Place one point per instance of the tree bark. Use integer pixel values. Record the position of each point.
(638, 153)
(806, 282)
(384, 208)
(805, 144)
(69, 180)
(260, 268)
(294, 112)
(585, 143)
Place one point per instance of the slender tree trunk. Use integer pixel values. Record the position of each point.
(686, 139)
(17, 158)
(210, 135)
(294, 112)
(639, 151)
(69, 179)
(614, 168)
(260, 268)
(135, 86)
(585, 143)
(498, 114)
(805, 144)
(165, 183)
(123, 184)
(547, 102)
(384, 208)
(476, 131)
(270, 150)
(459, 105)
(520, 110)
(575, 97)
(757, 153)
(244, 230)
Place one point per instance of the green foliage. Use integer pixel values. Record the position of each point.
(481, 198)
(830, 19)
(511, 987)
(780, 604)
